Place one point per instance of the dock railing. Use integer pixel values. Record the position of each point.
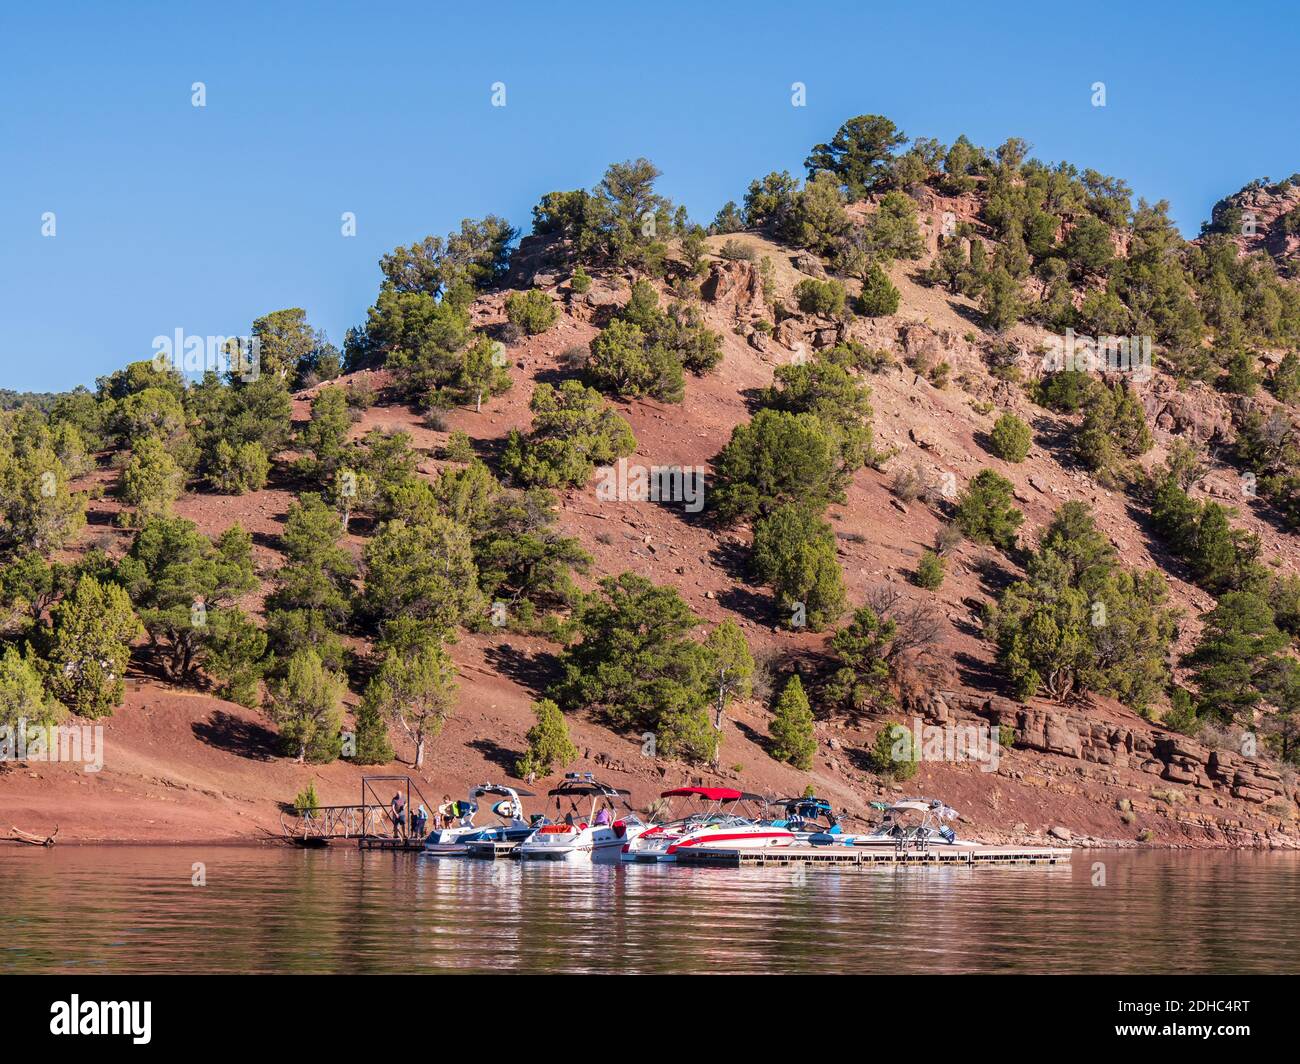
(371, 818)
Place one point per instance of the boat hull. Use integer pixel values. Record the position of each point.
(580, 844)
(663, 849)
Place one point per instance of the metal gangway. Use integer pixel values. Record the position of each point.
(370, 821)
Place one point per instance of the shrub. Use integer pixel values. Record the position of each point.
(306, 799)
(930, 571)
(825, 298)
(891, 753)
(549, 744)
(533, 311)
(458, 448)
(573, 432)
(736, 251)
(580, 282)
(238, 470)
(794, 554)
(985, 513)
(1010, 438)
(879, 297)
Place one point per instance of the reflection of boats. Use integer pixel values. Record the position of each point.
(589, 828)
(913, 823)
(719, 824)
(511, 828)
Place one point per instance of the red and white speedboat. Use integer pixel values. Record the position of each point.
(718, 824)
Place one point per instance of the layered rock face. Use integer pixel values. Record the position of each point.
(1167, 755)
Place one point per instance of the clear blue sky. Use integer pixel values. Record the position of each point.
(171, 216)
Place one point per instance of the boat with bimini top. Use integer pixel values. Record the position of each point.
(913, 823)
(454, 839)
(591, 825)
(718, 823)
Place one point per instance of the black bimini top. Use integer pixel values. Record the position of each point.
(582, 788)
(504, 792)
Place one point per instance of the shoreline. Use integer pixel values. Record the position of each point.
(1279, 846)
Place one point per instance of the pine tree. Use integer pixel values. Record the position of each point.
(791, 728)
(372, 744)
(326, 434)
(930, 571)
(985, 513)
(415, 686)
(794, 554)
(40, 512)
(152, 481)
(731, 667)
(1235, 656)
(861, 651)
(307, 705)
(891, 753)
(776, 458)
(22, 693)
(879, 297)
(423, 570)
(549, 745)
(90, 646)
(1011, 438)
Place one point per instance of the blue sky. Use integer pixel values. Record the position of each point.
(170, 216)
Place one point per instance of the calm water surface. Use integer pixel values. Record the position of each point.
(129, 909)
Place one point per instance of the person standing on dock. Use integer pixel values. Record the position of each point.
(399, 814)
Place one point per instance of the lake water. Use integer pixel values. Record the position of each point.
(135, 909)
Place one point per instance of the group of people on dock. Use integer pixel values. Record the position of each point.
(450, 812)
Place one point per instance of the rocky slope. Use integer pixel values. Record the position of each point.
(183, 765)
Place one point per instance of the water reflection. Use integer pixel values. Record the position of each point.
(274, 910)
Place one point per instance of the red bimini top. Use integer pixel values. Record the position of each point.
(712, 794)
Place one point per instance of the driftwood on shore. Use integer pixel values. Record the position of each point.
(34, 840)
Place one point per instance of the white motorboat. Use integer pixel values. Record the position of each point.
(913, 823)
(718, 824)
(454, 840)
(591, 827)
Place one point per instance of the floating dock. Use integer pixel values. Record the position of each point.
(870, 856)
(387, 842)
(491, 851)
